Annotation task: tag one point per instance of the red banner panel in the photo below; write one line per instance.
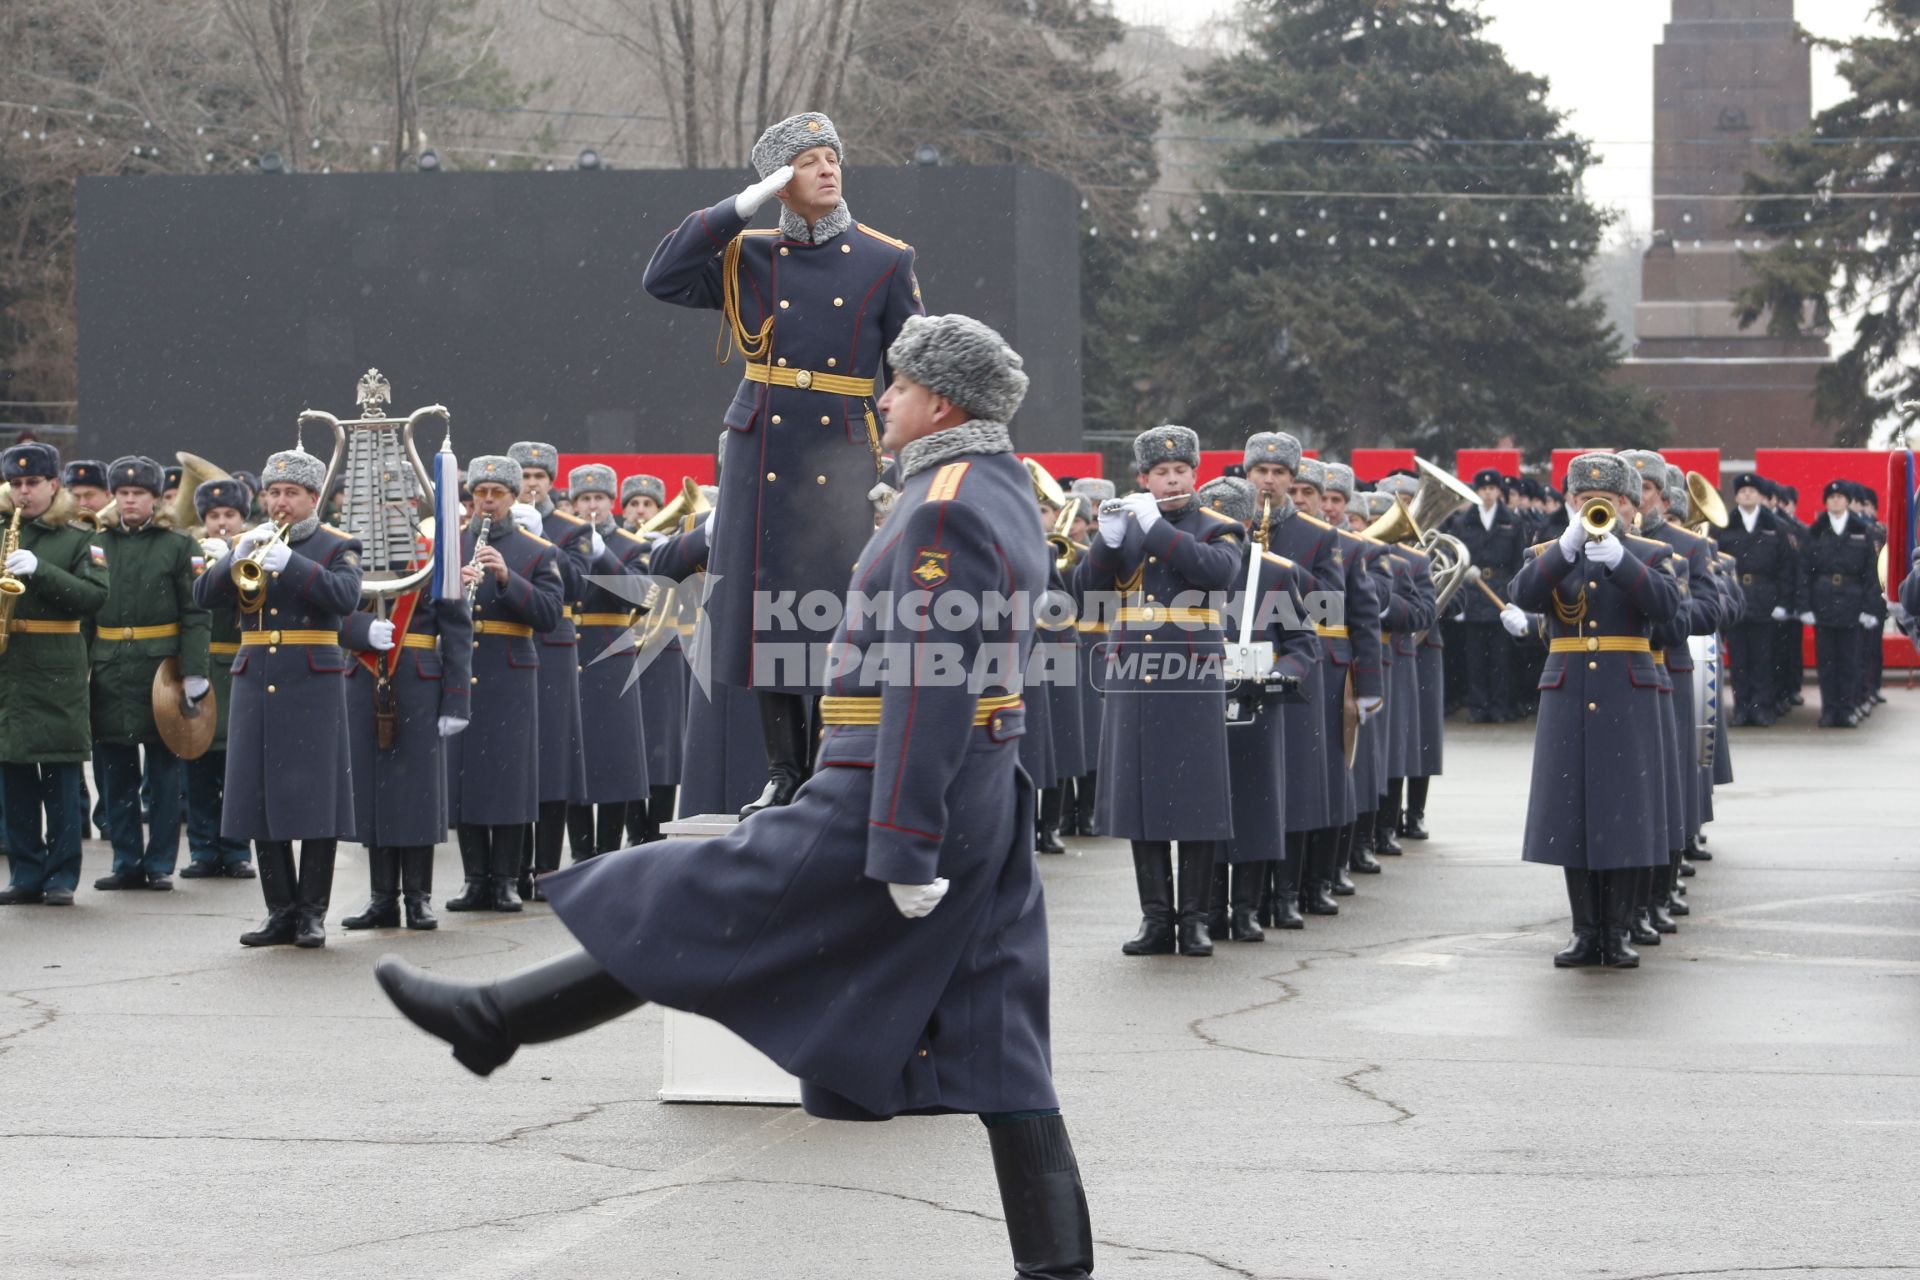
(1372, 464)
(1468, 461)
(1808, 470)
(1705, 461)
(670, 467)
(1081, 466)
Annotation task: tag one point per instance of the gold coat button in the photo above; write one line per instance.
(1593, 644)
(1594, 624)
(771, 476)
(1593, 586)
(819, 479)
(1593, 666)
(783, 251)
(1153, 559)
(782, 362)
(846, 248)
(776, 419)
(839, 302)
(825, 420)
(274, 612)
(1147, 679)
(784, 304)
(273, 637)
(474, 680)
(272, 689)
(1593, 706)
(832, 363)
(476, 644)
(804, 379)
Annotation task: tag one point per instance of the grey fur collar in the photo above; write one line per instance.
(544, 507)
(794, 227)
(1282, 510)
(1649, 521)
(971, 436)
(303, 530)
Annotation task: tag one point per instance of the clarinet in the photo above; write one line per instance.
(479, 545)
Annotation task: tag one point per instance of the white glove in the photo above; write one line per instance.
(1572, 539)
(654, 539)
(214, 548)
(1606, 550)
(1806, 619)
(196, 687)
(22, 563)
(1779, 613)
(748, 202)
(1868, 620)
(1143, 509)
(450, 725)
(916, 900)
(1514, 619)
(275, 557)
(1113, 527)
(252, 538)
(1369, 708)
(380, 634)
(599, 544)
(528, 518)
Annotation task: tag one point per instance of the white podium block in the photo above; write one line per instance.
(702, 1061)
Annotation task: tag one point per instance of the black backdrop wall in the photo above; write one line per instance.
(212, 310)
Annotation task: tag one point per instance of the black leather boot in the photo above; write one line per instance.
(416, 886)
(1249, 878)
(1639, 925)
(383, 903)
(783, 731)
(508, 859)
(1316, 897)
(1676, 892)
(316, 892)
(1360, 859)
(1042, 1198)
(582, 836)
(1413, 823)
(1696, 850)
(1196, 893)
(1217, 895)
(476, 861)
(1153, 877)
(1084, 820)
(1046, 838)
(278, 884)
(610, 827)
(1657, 914)
(661, 802)
(549, 837)
(1386, 822)
(1583, 898)
(486, 1022)
(1616, 920)
(1339, 884)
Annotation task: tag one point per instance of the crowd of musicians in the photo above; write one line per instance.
(529, 723)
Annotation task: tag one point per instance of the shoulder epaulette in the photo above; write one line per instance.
(338, 533)
(537, 538)
(946, 482)
(1540, 548)
(568, 515)
(767, 231)
(1282, 561)
(630, 536)
(1315, 521)
(1349, 534)
(1648, 542)
(878, 235)
(1220, 516)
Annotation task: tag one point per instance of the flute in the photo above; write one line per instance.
(1113, 506)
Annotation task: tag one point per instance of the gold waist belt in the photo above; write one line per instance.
(1660, 656)
(1322, 629)
(1091, 628)
(411, 640)
(865, 708)
(254, 639)
(221, 649)
(164, 631)
(1600, 644)
(48, 627)
(1169, 613)
(622, 620)
(837, 384)
(519, 630)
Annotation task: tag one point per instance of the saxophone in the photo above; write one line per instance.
(11, 588)
(480, 540)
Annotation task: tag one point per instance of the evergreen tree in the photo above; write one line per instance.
(1396, 259)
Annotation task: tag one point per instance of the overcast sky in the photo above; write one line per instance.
(1598, 56)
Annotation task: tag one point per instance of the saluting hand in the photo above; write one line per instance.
(748, 202)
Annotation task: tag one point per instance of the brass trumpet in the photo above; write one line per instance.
(249, 572)
(677, 516)
(1598, 519)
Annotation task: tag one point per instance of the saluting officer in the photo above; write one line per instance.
(1839, 581)
(663, 685)
(1163, 743)
(611, 712)
(789, 930)
(1765, 554)
(45, 731)
(423, 653)
(288, 764)
(563, 767)
(813, 307)
(1597, 803)
(493, 767)
(150, 615)
(222, 506)
(1494, 539)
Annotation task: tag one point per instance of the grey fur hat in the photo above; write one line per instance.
(533, 455)
(643, 486)
(711, 492)
(1230, 496)
(1273, 446)
(295, 466)
(1603, 473)
(1312, 471)
(136, 472)
(1375, 503)
(1403, 486)
(1646, 464)
(1094, 489)
(1339, 479)
(965, 361)
(493, 468)
(1679, 502)
(1166, 444)
(595, 477)
(783, 141)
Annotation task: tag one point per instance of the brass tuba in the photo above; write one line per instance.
(194, 472)
(1047, 490)
(678, 514)
(1417, 521)
(1704, 501)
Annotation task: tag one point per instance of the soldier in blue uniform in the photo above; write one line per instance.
(222, 506)
(1838, 589)
(288, 765)
(1754, 538)
(1163, 743)
(1494, 539)
(1789, 670)
(563, 769)
(611, 715)
(663, 686)
(1406, 812)
(1090, 633)
(882, 938)
(1597, 803)
(493, 767)
(813, 307)
(400, 770)
(1353, 648)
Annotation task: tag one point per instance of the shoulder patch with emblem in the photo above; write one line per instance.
(98, 554)
(930, 566)
(879, 235)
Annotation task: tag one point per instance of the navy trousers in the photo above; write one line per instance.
(52, 860)
(157, 850)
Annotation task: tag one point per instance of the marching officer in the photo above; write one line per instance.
(1407, 800)
(288, 764)
(1789, 670)
(612, 716)
(1597, 803)
(1494, 540)
(149, 616)
(663, 686)
(409, 688)
(493, 767)
(1358, 673)
(1090, 633)
(1163, 744)
(813, 307)
(563, 767)
(222, 506)
(45, 731)
(1764, 553)
(1838, 585)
